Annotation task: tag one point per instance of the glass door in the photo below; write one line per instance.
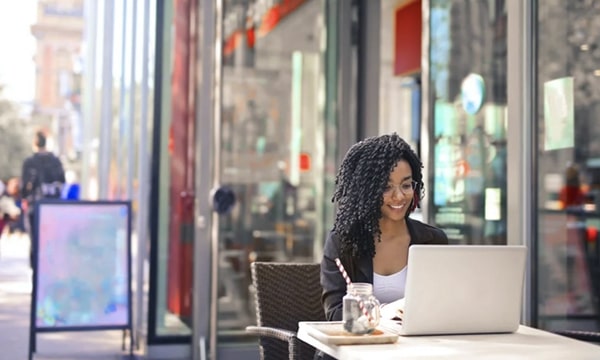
(272, 151)
(568, 166)
(467, 101)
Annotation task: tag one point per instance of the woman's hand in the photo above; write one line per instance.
(393, 310)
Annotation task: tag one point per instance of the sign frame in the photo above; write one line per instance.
(39, 252)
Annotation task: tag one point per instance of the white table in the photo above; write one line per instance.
(526, 343)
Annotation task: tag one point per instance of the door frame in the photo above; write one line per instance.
(208, 83)
(208, 120)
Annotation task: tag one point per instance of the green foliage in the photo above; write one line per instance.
(14, 144)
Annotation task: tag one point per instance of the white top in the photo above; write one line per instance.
(389, 288)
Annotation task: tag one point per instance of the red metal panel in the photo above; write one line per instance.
(181, 149)
(407, 54)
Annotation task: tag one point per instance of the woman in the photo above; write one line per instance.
(378, 185)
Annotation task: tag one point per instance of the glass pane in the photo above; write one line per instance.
(400, 34)
(176, 195)
(273, 145)
(399, 69)
(468, 101)
(568, 157)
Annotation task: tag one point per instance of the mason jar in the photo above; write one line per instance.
(360, 309)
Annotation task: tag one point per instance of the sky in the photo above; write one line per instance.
(17, 46)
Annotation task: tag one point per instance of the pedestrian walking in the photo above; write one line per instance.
(43, 177)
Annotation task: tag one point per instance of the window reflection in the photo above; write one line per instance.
(468, 82)
(569, 165)
(272, 145)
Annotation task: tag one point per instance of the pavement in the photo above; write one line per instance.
(15, 307)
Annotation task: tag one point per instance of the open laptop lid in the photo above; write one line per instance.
(463, 289)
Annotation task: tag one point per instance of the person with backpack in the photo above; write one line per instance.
(43, 177)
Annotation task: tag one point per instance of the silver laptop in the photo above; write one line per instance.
(463, 289)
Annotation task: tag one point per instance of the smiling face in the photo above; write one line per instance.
(398, 194)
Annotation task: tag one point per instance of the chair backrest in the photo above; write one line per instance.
(286, 293)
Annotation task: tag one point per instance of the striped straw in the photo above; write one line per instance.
(361, 305)
(343, 271)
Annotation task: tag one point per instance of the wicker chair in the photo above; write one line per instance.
(285, 293)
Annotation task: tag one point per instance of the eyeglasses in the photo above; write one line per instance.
(406, 188)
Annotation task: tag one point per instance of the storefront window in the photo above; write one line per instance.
(568, 158)
(171, 301)
(273, 145)
(400, 70)
(468, 103)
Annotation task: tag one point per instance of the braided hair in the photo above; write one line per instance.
(359, 187)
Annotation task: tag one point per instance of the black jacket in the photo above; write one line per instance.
(42, 176)
(361, 269)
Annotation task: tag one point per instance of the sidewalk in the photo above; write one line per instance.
(15, 302)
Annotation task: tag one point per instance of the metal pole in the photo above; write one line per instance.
(89, 94)
(106, 117)
(426, 115)
(217, 87)
(143, 176)
(520, 164)
(122, 117)
(132, 87)
(207, 147)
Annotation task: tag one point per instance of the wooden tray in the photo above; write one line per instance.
(332, 332)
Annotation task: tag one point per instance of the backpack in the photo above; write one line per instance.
(43, 177)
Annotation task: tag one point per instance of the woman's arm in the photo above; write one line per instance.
(334, 286)
(422, 233)
(440, 237)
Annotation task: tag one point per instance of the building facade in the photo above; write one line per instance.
(58, 31)
(256, 102)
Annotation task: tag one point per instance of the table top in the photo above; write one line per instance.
(525, 343)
